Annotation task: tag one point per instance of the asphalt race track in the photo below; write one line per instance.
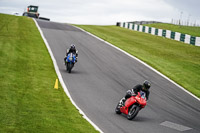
(101, 78)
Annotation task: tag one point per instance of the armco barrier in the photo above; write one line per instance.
(164, 33)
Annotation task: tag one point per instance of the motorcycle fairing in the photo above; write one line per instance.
(141, 101)
(71, 58)
(128, 103)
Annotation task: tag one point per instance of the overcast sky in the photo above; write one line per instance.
(108, 12)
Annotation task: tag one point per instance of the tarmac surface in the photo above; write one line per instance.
(101, 78)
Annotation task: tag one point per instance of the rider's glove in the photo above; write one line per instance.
(133, 94)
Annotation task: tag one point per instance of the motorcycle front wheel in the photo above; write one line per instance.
(69, 67)
(133, 111)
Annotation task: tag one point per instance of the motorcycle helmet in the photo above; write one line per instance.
(146, 85)
(72, 46)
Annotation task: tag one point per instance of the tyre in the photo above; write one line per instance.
(117, 109)
(66, 67)
(69, 70)
(70, 67)
(133, 111)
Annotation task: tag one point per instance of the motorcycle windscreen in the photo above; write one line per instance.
(142, 99)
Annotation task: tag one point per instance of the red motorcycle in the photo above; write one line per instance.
(132, 105)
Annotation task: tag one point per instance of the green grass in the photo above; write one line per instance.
(178, 61)
(28, 101)
(190, 30)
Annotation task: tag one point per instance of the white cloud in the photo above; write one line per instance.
(100, 11)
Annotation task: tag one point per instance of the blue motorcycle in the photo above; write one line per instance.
(70, 61)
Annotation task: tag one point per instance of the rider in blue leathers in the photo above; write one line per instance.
(73, 50)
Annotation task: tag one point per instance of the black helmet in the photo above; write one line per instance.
(146, 85)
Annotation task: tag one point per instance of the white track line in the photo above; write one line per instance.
(142, 63)
(175, 126)
(61, 79)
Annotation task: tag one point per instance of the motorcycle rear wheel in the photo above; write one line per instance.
(133, 111)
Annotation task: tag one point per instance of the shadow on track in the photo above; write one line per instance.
(137, 118)
(72, 72)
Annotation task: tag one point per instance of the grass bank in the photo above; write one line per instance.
(176, 60)
(28, 102)
(190, 30)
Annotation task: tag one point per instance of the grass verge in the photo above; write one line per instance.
(178, 61)
(190, 30)
(27, 76)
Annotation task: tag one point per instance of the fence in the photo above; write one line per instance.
(164, 33)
